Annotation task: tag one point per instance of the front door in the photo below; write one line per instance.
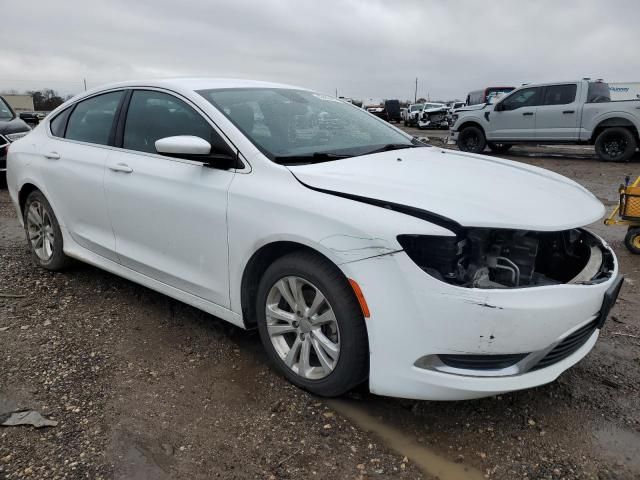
(515, 118)
(169, 214)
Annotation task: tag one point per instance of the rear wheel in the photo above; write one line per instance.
(499, 147)
(311, 325)
(43, 233)
(471, 139)
(615, 145)
(632, 240)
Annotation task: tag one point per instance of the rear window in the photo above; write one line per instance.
(598, 92)
(560, 94)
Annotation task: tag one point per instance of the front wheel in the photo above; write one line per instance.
(615, 145)
(499, 147)
(471, 139)
(632, 240)
(311, 325)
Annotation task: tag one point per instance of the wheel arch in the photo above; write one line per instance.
(614, 122)
(258, 264)
(24, 192)
(472, 123)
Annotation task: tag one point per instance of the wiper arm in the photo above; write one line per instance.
(393, 146)
(316, 157)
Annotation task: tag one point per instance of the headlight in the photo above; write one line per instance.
(12, 137)
(501, 258)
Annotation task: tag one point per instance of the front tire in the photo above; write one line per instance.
(311, 325)
(43, 233)
(632, 240)
(471, 139)
(615, 145)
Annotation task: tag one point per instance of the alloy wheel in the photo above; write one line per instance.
(302, 327)
(40, 231)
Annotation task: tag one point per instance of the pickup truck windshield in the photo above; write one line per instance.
(5, 111)
(298, 124)
(415, 108)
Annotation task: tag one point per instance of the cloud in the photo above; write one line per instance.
(362, 48)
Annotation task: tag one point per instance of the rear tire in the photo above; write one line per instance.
(632, 240)
(499, 147)
(43, 233)
(285, 324)
(471, 139)
(615, 144)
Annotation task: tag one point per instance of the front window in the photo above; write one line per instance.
(526, 97)
(5, 111)
(287, 124)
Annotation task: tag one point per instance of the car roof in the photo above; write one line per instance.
(195, 83)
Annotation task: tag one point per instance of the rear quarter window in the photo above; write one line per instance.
(59, 123)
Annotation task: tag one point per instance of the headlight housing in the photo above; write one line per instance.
(502, 258)
(12, 137)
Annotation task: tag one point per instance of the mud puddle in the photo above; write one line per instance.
(428, 461)
(622, 445)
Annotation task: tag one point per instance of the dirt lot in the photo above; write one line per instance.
(144, 387)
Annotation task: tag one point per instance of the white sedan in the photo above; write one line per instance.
(359, 253)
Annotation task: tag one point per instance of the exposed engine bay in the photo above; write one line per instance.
(499, 258)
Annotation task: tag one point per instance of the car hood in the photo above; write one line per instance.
(472, 190)
(13, 126)
(472, 108)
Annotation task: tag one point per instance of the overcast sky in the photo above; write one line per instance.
(363, 48)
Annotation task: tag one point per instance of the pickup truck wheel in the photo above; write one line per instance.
(615, 145)
(499, 147)
(632, 240)
(472, 140)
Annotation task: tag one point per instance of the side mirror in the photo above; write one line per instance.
(185, 145)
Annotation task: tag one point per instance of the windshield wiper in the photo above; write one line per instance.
(393, 146)
(316, 157)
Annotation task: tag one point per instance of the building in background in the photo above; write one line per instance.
(19, 103)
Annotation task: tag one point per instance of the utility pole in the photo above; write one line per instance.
(85, 84)
(415, 95)
(336, 93)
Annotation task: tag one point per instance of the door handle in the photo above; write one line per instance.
(52, 156)
(121, 167)
(527, 114)
(569, 111)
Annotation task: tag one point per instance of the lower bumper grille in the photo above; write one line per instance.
(481, 362)
(567, 346)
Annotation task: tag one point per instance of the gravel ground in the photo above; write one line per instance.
(144, 387)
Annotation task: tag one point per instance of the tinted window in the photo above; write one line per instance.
(560, 94)
(59, 123)
(91, 119)
(598, 92)
(526, 97)
(154, 115)
(5, 111)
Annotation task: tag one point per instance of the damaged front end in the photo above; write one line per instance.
(500, 258)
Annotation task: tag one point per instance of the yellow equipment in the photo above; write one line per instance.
(628, 213)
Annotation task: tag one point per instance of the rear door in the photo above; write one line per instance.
(558, 115)
(515, 118)
(169, 214)
(73, 162)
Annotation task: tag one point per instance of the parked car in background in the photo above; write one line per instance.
(30, 118)
(433, 115)
(376, 107)
(413, 114)
(348, 244)
(392, 110)
(11, 128)
(482, 96)
(569, 112)
(403, 114)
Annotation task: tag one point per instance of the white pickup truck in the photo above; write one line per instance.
(570, 112)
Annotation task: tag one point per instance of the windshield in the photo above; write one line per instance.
(427, 106)
(5, 111)
(297, 123)
(415, 108)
